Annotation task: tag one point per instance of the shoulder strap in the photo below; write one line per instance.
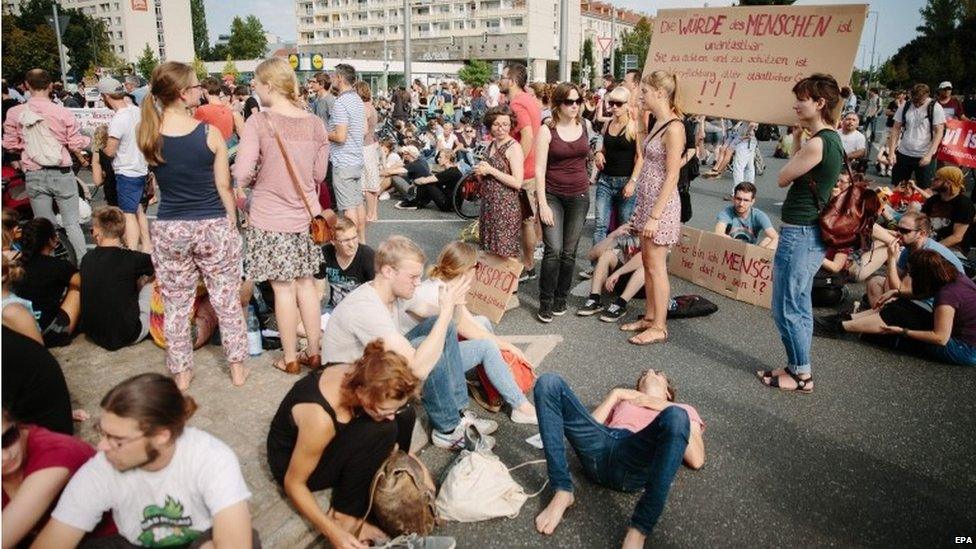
(847, 166)
(532, 462)
(288, 165)
(661, 129)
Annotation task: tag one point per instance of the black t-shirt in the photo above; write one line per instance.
(44, 284)
(110, 295)
(417, 169)
(448, 179)
(34, 390)
(249, 104)
(342, 281)
(893, 107)
(946, 214)
(969, 106)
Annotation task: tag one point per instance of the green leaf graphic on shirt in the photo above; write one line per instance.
(166, 526)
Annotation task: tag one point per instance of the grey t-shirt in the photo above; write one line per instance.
(322, 106)
(360, 318)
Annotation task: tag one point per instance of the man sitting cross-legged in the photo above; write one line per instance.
(617, 259)
(634, 440)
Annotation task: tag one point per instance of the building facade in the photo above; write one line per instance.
(603, 20)
(165, 25)
(441, 30)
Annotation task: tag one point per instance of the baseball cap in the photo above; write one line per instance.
(110, 85)
(945, 85)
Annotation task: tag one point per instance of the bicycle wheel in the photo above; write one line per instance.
(467, 197)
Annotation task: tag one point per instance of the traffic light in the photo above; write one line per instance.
(607, 69)
(67, 60)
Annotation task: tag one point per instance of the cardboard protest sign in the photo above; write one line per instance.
(495, 280)
(728, 267)
(90, 119)
(959, 143)
(741, 62)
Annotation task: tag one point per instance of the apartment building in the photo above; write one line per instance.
(441, 30)
(603, 20)
(131, 24)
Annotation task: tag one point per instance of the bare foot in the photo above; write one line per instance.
(550, 517)
(238, 374)
(79, 415)
(183, 380)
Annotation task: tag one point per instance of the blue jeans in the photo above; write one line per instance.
(445, 391)
(616, 458)
(798, 257)
(561, 241)
(955, 351)
(610, 194)
(486, 353)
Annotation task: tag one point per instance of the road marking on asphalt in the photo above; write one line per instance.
(536, 348)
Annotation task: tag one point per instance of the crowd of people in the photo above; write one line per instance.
(240, 173)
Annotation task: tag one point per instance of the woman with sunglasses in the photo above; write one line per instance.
(562, 191)
(619, 162)
(334, 429)
(636, 439)
(37, 465)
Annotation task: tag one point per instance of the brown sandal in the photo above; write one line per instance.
(635, 340)
(310, 361)
(293, 367)
(638, 325)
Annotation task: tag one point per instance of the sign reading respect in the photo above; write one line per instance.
(741, 62)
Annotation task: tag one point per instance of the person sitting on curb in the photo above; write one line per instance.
(115, 288)
(480, 346)
(37, 465)
(166, 484)
(373, 311)
(618, 260)
(743, 221)
(634, 440)
(334, 429)
(347, 263)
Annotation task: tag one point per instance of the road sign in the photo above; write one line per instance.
(605, 43)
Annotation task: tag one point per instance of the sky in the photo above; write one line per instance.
(897, 19)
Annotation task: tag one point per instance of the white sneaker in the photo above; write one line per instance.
(455, 440)
(519, 416)
(485, 426)
(384, 196)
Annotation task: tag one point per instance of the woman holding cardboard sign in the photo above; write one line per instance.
(816, 164)
(657, 215)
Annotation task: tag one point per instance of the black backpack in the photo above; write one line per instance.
(929, 112)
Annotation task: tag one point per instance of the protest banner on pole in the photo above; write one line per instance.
(90, 119)
(729, 267)
(495, 280)
(959, 143)
(741, 62)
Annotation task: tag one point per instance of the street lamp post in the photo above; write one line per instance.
(564, 41)
(874, 42)
(407, 76)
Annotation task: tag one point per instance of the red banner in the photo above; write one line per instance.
(959, 143)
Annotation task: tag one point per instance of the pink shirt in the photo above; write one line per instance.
(275, 206)
(63, 125)
(634, 418)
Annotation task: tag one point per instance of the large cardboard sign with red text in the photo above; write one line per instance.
(741, 62)
(959, 143)
(732, 268)
(495, 280)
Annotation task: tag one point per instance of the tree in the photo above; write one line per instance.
(85, 36)
(940, 17)
(634, 42)
(475, 73)
(230, 68)
(217, 52)
(247, 38)
(147, 62)
(23, 51)
(201, 42)
(932, 58)
(200, 68)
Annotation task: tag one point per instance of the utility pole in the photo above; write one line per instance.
(564, 41)
(874, 43)
(386, 59)
(613, 36)
(407, 76)
(57, 32)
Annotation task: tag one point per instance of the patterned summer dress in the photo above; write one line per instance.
(500, 225)
(650, 182)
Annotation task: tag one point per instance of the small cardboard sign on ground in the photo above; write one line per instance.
(495, 281)
(741, 62)
(732, 268)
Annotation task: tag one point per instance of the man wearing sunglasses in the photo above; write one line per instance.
(166, 484)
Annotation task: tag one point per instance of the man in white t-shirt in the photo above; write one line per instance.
(128, 162)
(854, 142)
(920, 124)
(166, 484)
(374, 310)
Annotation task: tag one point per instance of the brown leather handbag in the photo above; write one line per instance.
(848, 217)
(320, 228)
(401, 499)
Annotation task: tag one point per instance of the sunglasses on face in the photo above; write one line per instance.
(615, 103)
(905, 230)
(571, 102)
(10, 437)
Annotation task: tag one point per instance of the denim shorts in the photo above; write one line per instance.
(130, 191)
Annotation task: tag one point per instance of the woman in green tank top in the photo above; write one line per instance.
(801, 251)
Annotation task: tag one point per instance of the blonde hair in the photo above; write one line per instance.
(278, 74)
(343, 224)
(100, 138)
(455, 259)
(396, 249)
(664, 80)
(621, 93)
(166, 85)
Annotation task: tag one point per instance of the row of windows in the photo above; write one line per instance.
(490, 24)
